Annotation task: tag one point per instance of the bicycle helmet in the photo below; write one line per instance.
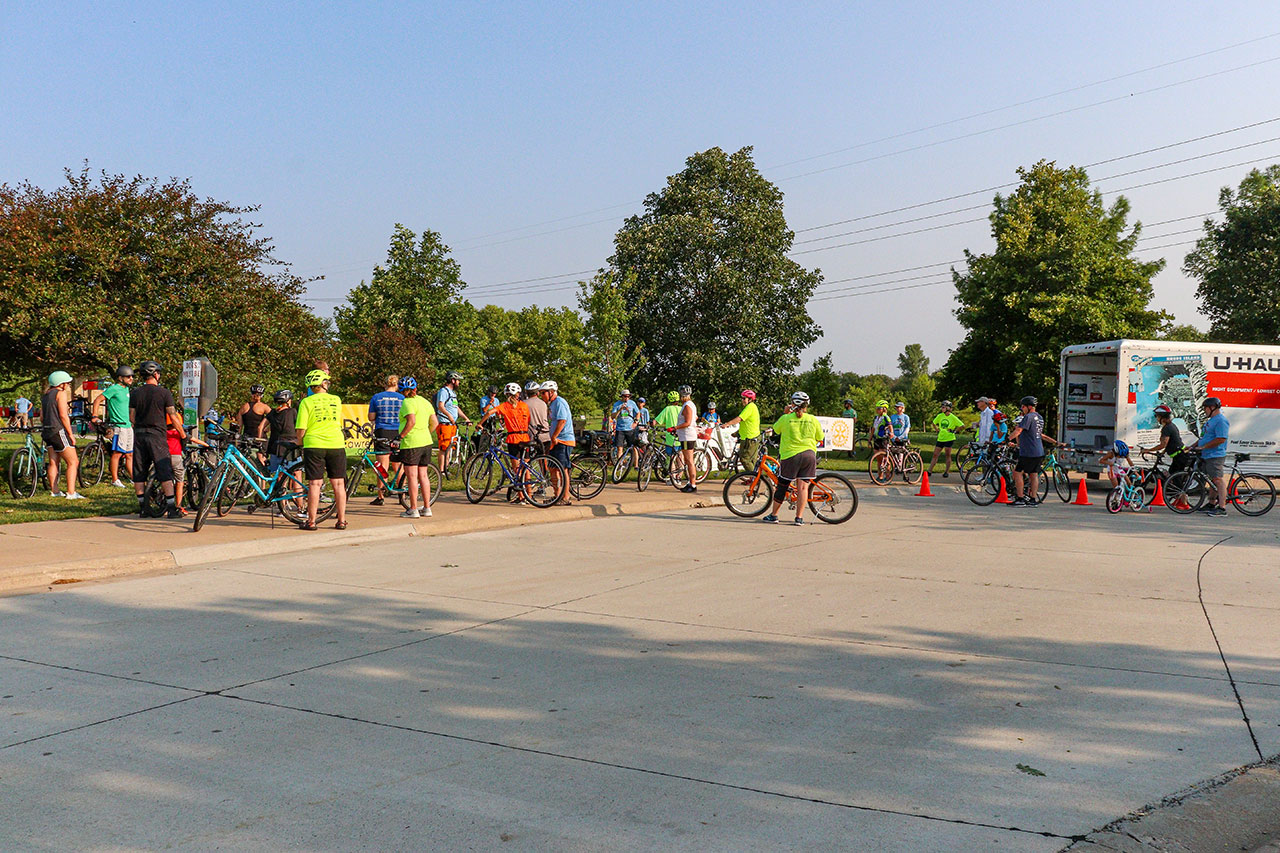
(284, 395)
(149, 368)
(550, 385)
(532, 385)
(749, 394)
(452, 375)
(848, 402)
(998, 417)
(710, 406)
(493, 389)
(641, 400)
(257, 388)
(123, 371)
(946, 404)
(882, 404)
(1028, 401)
(1162, 410)
(512, 388)
(673, 397)
(685, 391)
(316, 377)
(1120, 448)
(799, 398)
(1211, 403)
(899, 405)
(406, 383)
(59, 377)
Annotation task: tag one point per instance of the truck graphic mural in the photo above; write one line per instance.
(1180, 382)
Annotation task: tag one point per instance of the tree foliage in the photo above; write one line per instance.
(1062, 273)
(1237, 262)
(533, 344)
(613, 356)
(113, 270)
(824, 387)
(714, 298)
(912, 362)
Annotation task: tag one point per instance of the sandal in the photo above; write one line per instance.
(341, 525)
(307, 525)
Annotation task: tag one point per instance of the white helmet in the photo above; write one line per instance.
(799, 398)
(549, 385)
(512, 388)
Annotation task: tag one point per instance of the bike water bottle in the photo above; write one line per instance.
(382, 471)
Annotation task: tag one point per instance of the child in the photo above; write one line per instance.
(175, 459)
(1117, 461)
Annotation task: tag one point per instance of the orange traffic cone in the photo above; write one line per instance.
(1082, 494)
(1003, 497)
(924, 487)
(1158, 500)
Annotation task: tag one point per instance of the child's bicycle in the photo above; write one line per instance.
(1130, 493)
(749, 494)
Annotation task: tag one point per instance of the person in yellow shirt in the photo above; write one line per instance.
(947, 425)
(800, 435)
(418, 425)
(319, 431)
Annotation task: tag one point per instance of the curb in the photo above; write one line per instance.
(48, 575)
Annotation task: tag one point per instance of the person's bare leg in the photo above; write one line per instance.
(313, 500)
(947, 469)
(802, 498)
(934, 460)
(340, 496)
(411, 477)
(51, 471)
(115, 466)
(424, 482)
(1035, 485)
(73, 468)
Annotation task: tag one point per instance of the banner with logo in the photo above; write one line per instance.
(355, 421)
(837, 432)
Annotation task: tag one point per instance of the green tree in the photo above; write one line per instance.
(716, 302)
(1183, 332)
(1062, 273)
(418, 291)
(613, 356)
(913, 362)
(112, 270)
(534, 343)
(1237, 262)
(823, 386)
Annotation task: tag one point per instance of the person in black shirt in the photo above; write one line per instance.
(284, 435)
(1171, 443)
(151, 410)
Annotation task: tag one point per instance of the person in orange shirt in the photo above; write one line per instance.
(515, 417)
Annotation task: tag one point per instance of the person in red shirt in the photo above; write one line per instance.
(174, 439)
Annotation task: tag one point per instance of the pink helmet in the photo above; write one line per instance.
(749, 394)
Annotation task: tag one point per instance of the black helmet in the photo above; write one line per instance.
(848, 402)
(1028, 401)
(123, 371)
(257, 388)
(452, 375)
(1211, 403)
(493, 389)
(283, 396)
(149, 369)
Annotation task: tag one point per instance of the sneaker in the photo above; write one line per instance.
(378, 501)
(770, 519)
(1031, 502)
(174, 512)
(1217, 512)
(1017, 502)
(946, 474)
(410, 513)
(690, 490)
(799, 522)
(426, 513)
(75, 496)
(119, 485)
(1207, 508)
(58, 494)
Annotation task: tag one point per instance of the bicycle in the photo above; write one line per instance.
(721, 459)
(587, 475)
(27, 466)
(400, 486)
(534, 479)
(1251, 493)
(655, 461)
(1051, 470)
(238, 475)
(93, 458)
(897, 457)
(749, 494)
(1129, 493)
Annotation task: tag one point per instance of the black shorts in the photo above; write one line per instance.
(802, 466)
(150, 447)
(381, 435)
(626, 438)
(949, 442)
(1029, 464)
(55, 438)
(517, 448)
(416, 457)
(320, 461)
(688, 445)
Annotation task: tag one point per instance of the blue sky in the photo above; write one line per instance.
(525, 132)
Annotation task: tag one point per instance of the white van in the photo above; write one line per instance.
(1107, 390)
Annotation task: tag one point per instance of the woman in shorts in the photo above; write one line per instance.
(800, 435)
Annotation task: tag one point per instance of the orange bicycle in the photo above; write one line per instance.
(748, 494)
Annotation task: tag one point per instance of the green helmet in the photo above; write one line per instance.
(882, 404)
(673, 397)
(315, 377)
(58, 377)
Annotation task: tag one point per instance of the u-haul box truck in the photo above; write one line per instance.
(1108, 390)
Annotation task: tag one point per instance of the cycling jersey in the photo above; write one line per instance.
(420, 435)
(321, 416)
(515, 417)
(881, 426)
(384, 409)
(666, 419)
(798, 433)
(749, 421)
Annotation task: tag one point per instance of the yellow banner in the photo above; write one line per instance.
(355, 420)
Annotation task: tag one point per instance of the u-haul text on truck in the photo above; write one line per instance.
(1109, 390)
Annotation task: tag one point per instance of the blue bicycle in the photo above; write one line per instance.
(538, 480)
(237, 476)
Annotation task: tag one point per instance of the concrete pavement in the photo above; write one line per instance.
(930, 676)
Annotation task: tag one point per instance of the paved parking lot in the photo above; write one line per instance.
(930, 676)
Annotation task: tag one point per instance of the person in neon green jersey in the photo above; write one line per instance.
(946, 424)
(748, 421)
(319, 430)
(800, 434)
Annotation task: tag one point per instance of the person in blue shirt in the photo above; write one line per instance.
(447, 413)
(23, 407)
(711, 416)
(384, 414)
(901, 422)
(560, 430)
(1212, 445)
(625, 415)
(999, 428)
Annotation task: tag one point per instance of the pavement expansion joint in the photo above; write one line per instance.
(84, 671)
(654, 772)
(112, 719)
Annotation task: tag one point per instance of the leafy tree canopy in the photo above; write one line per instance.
(912, 362)
(613, 356)
(1062, 273)
(1237, 262)
(715, 299)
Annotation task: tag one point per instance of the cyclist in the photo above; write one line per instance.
(946, 424)
(1213, 453)
(56, 432)
(23, 408)
(489, 402)
(852, 414)
(687, 436)
(901, 422)
(116, 416)
(748, 421)
(283, 433)
(561, 438)
(711, 417)
(447, 413)
(515, 419)
(800, 434)
(384, 412)
(1031, 438)
(881, 426)
(174, 440)
(537, 410)
(625, 415)
(418, 424)
(252, 416)
(151, 410)
(1171, 443)
(324, 451)
(1117, 461)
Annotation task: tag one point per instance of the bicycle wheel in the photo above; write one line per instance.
(540, 478)
(477, 478)
(209, 498)
(677, 475)
(197, 482)
(833, 498)
(1115, 500)
(621, 468)
(644, 474)
(434, 477)
(1062, 485)
(1252, 494)
(746, 495)
(880, 468)
(355, 472)
(1042, 491)
(23, 476)
(982, 487)
(587, 477)
(91, 464)
(702, 463)
(293, 491)
(229, 494)
(912, 467)
(1185, 491)
(153, 496)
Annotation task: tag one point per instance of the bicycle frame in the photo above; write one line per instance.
(252, 475)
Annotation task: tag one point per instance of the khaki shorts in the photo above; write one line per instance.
(1213, 468)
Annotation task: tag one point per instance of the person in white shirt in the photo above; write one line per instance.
(986, 419)
(687, 436)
